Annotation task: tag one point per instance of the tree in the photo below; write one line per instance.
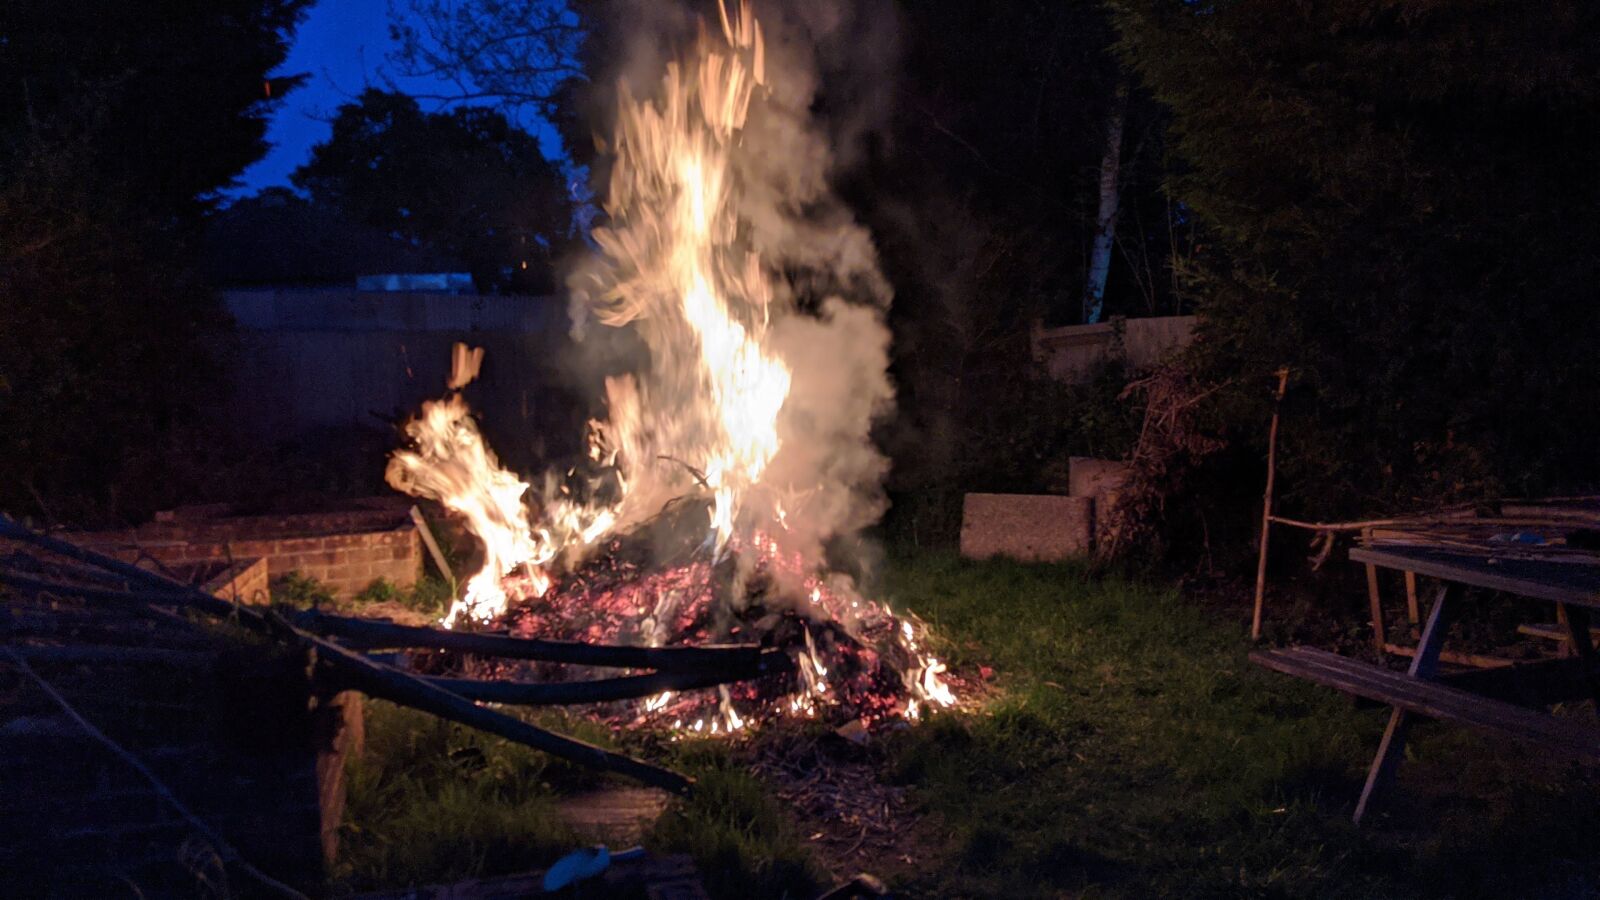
(1105, 223)
(1402, 194)
(171, 105)
(517, 52)
(466, 182)
(116, 128)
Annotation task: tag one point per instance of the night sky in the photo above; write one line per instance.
(343, 47)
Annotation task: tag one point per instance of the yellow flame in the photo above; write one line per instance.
(678, 272)
(674, 264)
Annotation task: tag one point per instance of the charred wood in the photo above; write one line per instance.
(369, 634)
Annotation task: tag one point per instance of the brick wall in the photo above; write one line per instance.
(346, 550)
(243, 580)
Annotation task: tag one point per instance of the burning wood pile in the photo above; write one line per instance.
(735, 448)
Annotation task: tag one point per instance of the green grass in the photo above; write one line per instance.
(1130, 750)
(1136, 752)
(430, 595)
(434, 802)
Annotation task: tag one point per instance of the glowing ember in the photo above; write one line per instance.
(692, 439)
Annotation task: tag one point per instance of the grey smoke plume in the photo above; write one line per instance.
(826, 315)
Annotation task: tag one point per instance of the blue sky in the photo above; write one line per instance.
(343, 47)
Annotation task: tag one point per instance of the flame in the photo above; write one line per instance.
(702, 415)
(678, 272)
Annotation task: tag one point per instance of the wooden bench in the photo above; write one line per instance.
(1434, 699)
(1487, 700)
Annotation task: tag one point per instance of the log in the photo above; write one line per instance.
(369, 634)
(601, 690)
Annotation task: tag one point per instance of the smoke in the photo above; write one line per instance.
(801, 273)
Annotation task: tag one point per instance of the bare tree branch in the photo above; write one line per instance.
(516, 52)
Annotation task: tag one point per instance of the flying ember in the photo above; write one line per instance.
(729, 456)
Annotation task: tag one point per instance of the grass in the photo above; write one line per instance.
(1131, 751)
(430, 801)
(430, 596)
(1136, 752)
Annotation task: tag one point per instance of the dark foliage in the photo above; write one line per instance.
(178, 92)
(117, 125)
(982, 192)
(466, 183)
(1400, 194)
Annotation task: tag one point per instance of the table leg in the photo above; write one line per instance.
(1581, 641)
(1392, 748)
(1378, 636)
(1413, 615)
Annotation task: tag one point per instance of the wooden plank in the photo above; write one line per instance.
(1535, 684)
(604, 689)
(104, 656)
(1550, 631)
(1434, 700)
(1413, 614)
(348, 669)
(1558, 582)
(1454, 657)
(370, 633)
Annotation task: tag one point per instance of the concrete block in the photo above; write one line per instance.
(1030, 527)
(1090, 477)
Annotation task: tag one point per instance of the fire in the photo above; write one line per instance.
(702, 418)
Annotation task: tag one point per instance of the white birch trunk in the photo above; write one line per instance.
(1094, 294)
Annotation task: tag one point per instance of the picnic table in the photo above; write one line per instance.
(1510, 700)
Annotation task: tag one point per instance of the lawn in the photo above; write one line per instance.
(1128, 750)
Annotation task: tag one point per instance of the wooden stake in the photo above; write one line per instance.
(1266, 504)
(433, 548)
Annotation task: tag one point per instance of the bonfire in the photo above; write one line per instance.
(729, 458)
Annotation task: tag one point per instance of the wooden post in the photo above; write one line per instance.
(1412, 612)
(1582, 643)
(433, 548)
(1375, 601)
(1266, 504)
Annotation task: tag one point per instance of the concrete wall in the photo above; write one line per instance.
(309, 362)
(1073, 353)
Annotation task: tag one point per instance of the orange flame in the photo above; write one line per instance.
(677, 268)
